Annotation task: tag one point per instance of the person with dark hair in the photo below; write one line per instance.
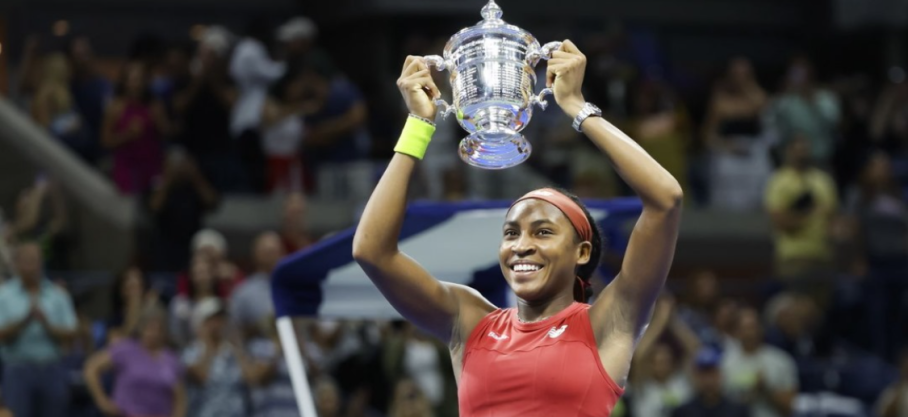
(710, 400)
(131, 297)
(553, 354)
(133, 129)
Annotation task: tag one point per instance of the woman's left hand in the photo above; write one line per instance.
(564, 75)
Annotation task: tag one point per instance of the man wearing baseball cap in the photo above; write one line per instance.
(709, 400)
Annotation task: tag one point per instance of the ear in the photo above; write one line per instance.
(584, 251)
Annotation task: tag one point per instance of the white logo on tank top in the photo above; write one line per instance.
(497, 336)
(557, 332)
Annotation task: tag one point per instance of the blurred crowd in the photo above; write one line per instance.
(267, 111)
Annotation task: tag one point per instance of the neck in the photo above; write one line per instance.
(200, 294)
(532, 311)
(31, 285)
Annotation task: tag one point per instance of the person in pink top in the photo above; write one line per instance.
(554, 354)
(133, 128)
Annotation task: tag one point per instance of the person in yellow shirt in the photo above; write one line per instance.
(802, 202)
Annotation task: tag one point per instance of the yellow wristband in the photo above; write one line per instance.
(415, 138)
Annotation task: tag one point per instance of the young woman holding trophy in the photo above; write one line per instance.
(554, 354)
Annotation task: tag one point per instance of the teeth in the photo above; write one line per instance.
(525, 267)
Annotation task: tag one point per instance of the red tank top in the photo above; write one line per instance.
(548, 368)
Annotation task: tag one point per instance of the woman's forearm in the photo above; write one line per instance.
(378, 230)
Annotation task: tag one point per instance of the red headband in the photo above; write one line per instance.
(567, 206)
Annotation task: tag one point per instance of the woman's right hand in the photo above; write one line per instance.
(418, 88)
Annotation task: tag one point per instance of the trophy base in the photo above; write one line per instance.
(495, 149)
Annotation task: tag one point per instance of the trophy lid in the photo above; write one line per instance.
(491, 11)
(492, 24)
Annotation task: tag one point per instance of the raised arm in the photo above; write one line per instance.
(431, 305)
(620, 315)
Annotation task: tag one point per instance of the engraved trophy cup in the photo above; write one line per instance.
(492, 77)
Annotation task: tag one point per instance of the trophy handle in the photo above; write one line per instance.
(540, 100)
(444, 108)
(440, 64)
(436, 61)
(545, 52)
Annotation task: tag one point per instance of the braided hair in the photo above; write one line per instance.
(582, 293)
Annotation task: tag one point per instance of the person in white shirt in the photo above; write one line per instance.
(254, 71)
(757, 374)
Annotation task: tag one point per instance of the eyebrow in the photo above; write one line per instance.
(535, 223)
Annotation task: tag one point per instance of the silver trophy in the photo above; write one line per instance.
(492, 78)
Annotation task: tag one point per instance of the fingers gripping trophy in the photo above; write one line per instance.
(492, 76)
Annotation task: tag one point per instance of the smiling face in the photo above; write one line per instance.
(540, 251)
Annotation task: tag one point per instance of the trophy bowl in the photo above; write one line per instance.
(492, 74)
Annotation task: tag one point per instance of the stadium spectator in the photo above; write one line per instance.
(178, 204)
(202, 287)
(267, 375)
(738, 144)
(879, 217)
(41, 216)
(337, 141)
(251, 303)
(253, 71)
(888, 128)
(709, 400)
(700, 304)
(211, 245)
(148, 376)
(757, 374)
(91, 91)
(37, 319)
(131, 298)
(408, 354)
(202, 106)
(659, 379)
(53, 108)
(294, 231)
(297, 37)
(283, 133)
(213, 365)
(792, 324)
(134, 127)
(805, 110)
(802, 201)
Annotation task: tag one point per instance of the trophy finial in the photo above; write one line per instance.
(491, 11)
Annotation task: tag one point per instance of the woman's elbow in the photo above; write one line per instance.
(670, 197)
(363, 251)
